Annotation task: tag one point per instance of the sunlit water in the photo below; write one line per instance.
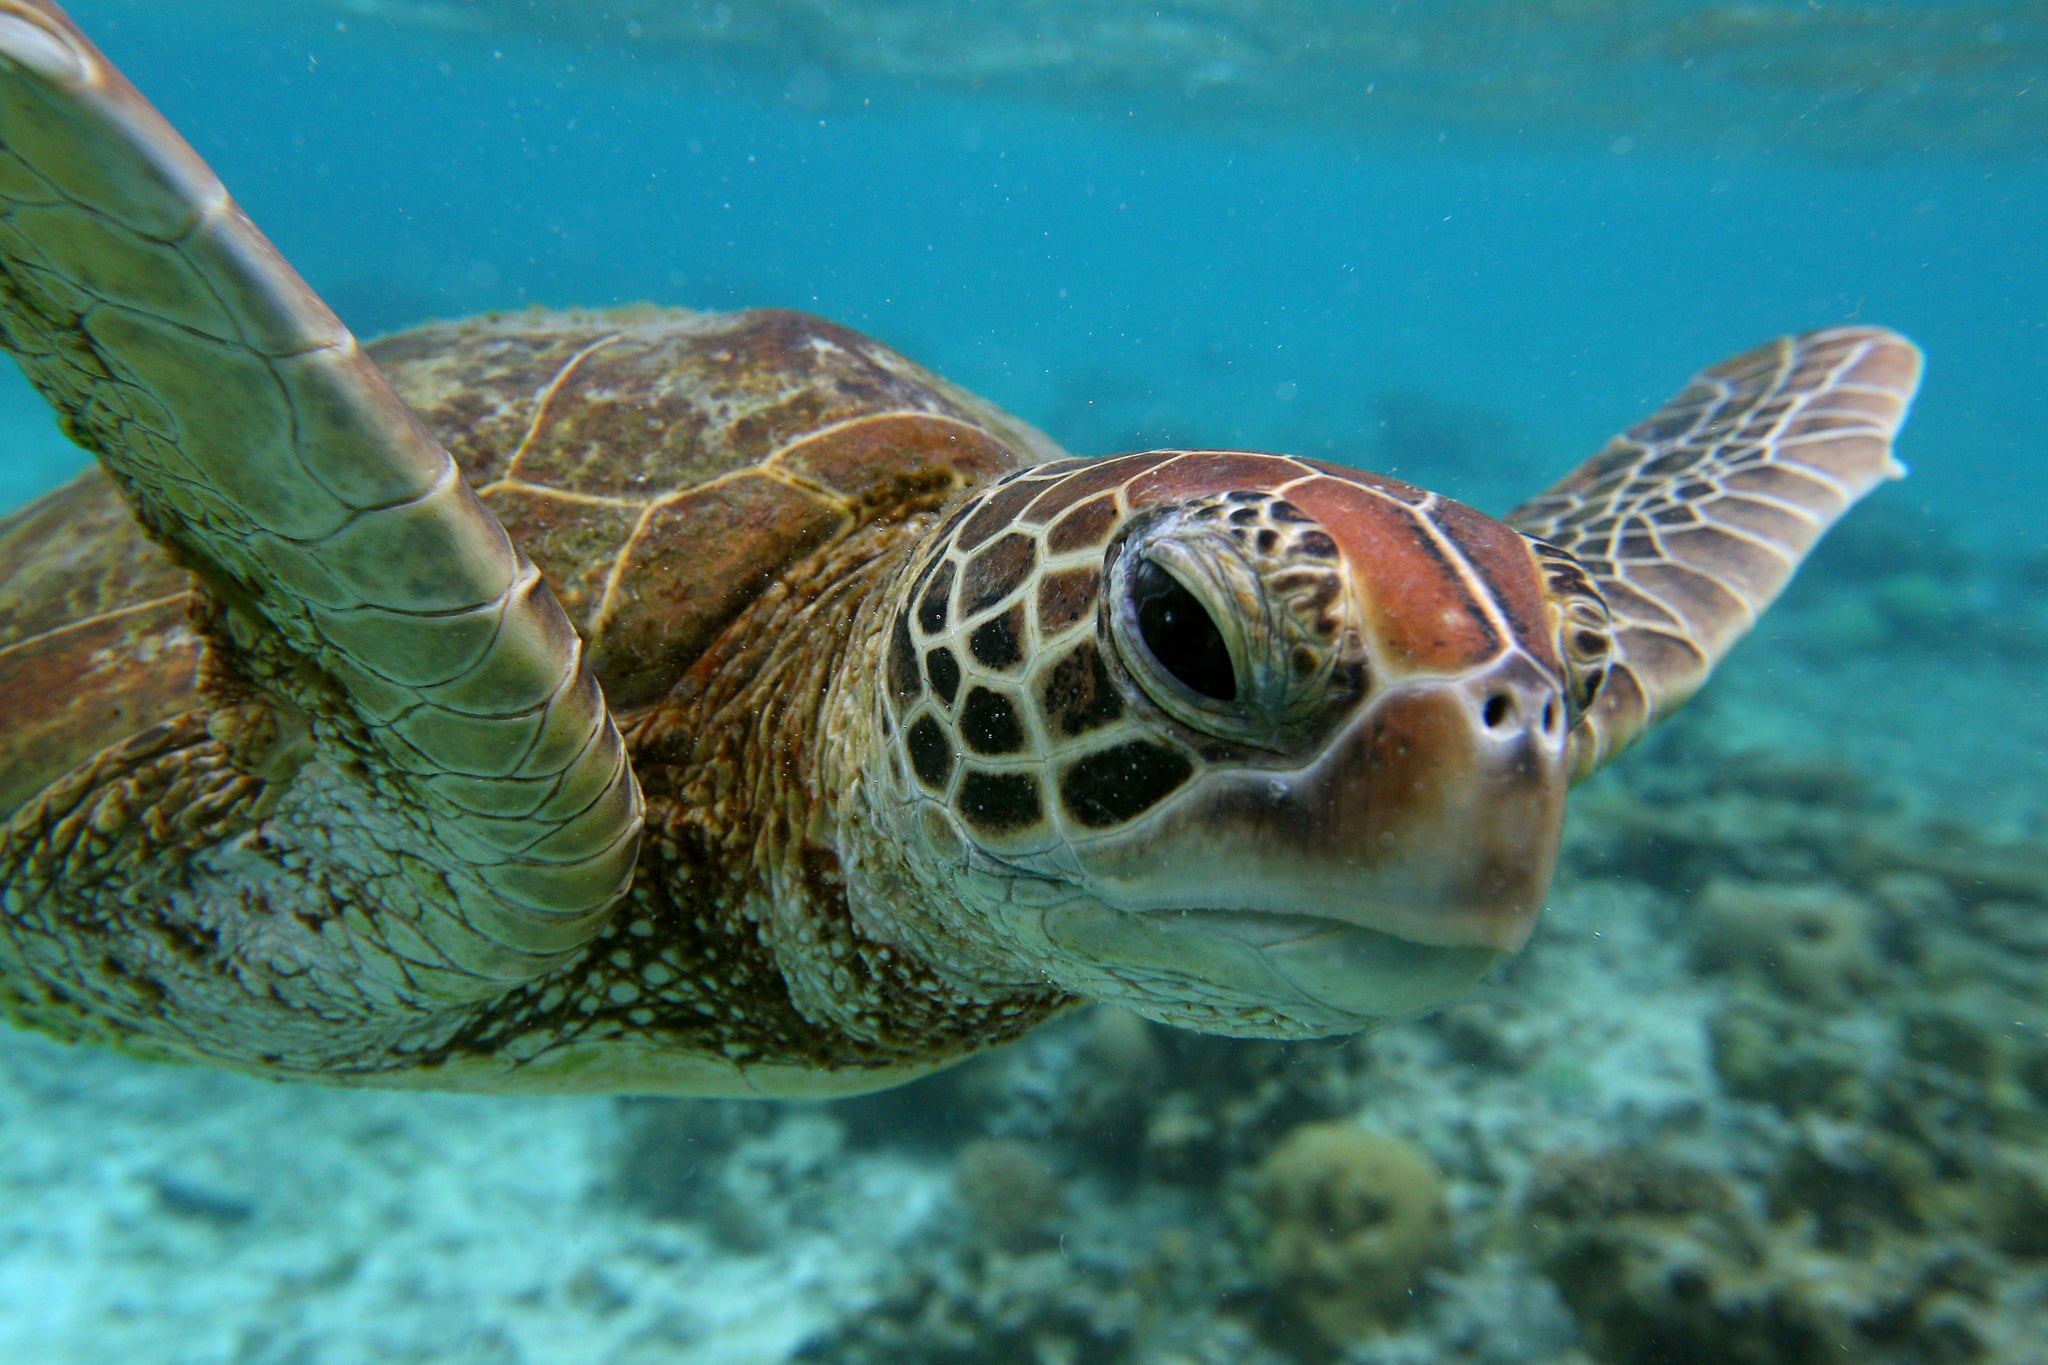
(1117, 284)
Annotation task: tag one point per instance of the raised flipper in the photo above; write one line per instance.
(1692, 522)
(252, 436)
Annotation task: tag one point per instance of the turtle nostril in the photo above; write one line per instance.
(1499, 708)
(1550, 716)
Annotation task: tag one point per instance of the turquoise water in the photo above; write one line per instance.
(1117, 282)
(1473, 304)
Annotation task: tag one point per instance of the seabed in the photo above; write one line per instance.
(1771, 1084)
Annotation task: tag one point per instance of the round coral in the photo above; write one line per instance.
(1350, 1219)
(1815, 941)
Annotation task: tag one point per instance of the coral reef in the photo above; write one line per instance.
(1346, 1221)
(1882, 1032)
(1664, 1267)
(1003, 1311)
(1011, 1191)
(1813, 940)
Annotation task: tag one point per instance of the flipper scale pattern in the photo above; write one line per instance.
(250, 431)
(1692, 521)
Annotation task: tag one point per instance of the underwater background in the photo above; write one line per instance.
(1771, 1083)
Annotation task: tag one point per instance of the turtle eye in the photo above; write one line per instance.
(1227, 634)
(1181, 636)
(1584, 628)
(1586, 643)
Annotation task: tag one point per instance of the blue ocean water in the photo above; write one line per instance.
(1116, 281)
(1472, 308)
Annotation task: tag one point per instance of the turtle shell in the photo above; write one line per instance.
(662, 468)
(94, 644)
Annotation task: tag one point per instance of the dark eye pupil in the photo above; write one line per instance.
(1180, 634)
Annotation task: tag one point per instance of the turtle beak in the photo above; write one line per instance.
(1447, 807)
(1433, 817)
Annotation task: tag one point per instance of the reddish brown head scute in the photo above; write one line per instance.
(1446, 588)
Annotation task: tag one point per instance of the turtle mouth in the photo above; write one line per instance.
(1338, 964)
(1270, 974)
(1417, 822)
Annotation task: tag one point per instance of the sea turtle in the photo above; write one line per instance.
(674, 702)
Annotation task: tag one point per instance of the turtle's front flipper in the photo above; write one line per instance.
(1692, 522)
(252, 435)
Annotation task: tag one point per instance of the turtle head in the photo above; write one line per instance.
(1243, 742)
